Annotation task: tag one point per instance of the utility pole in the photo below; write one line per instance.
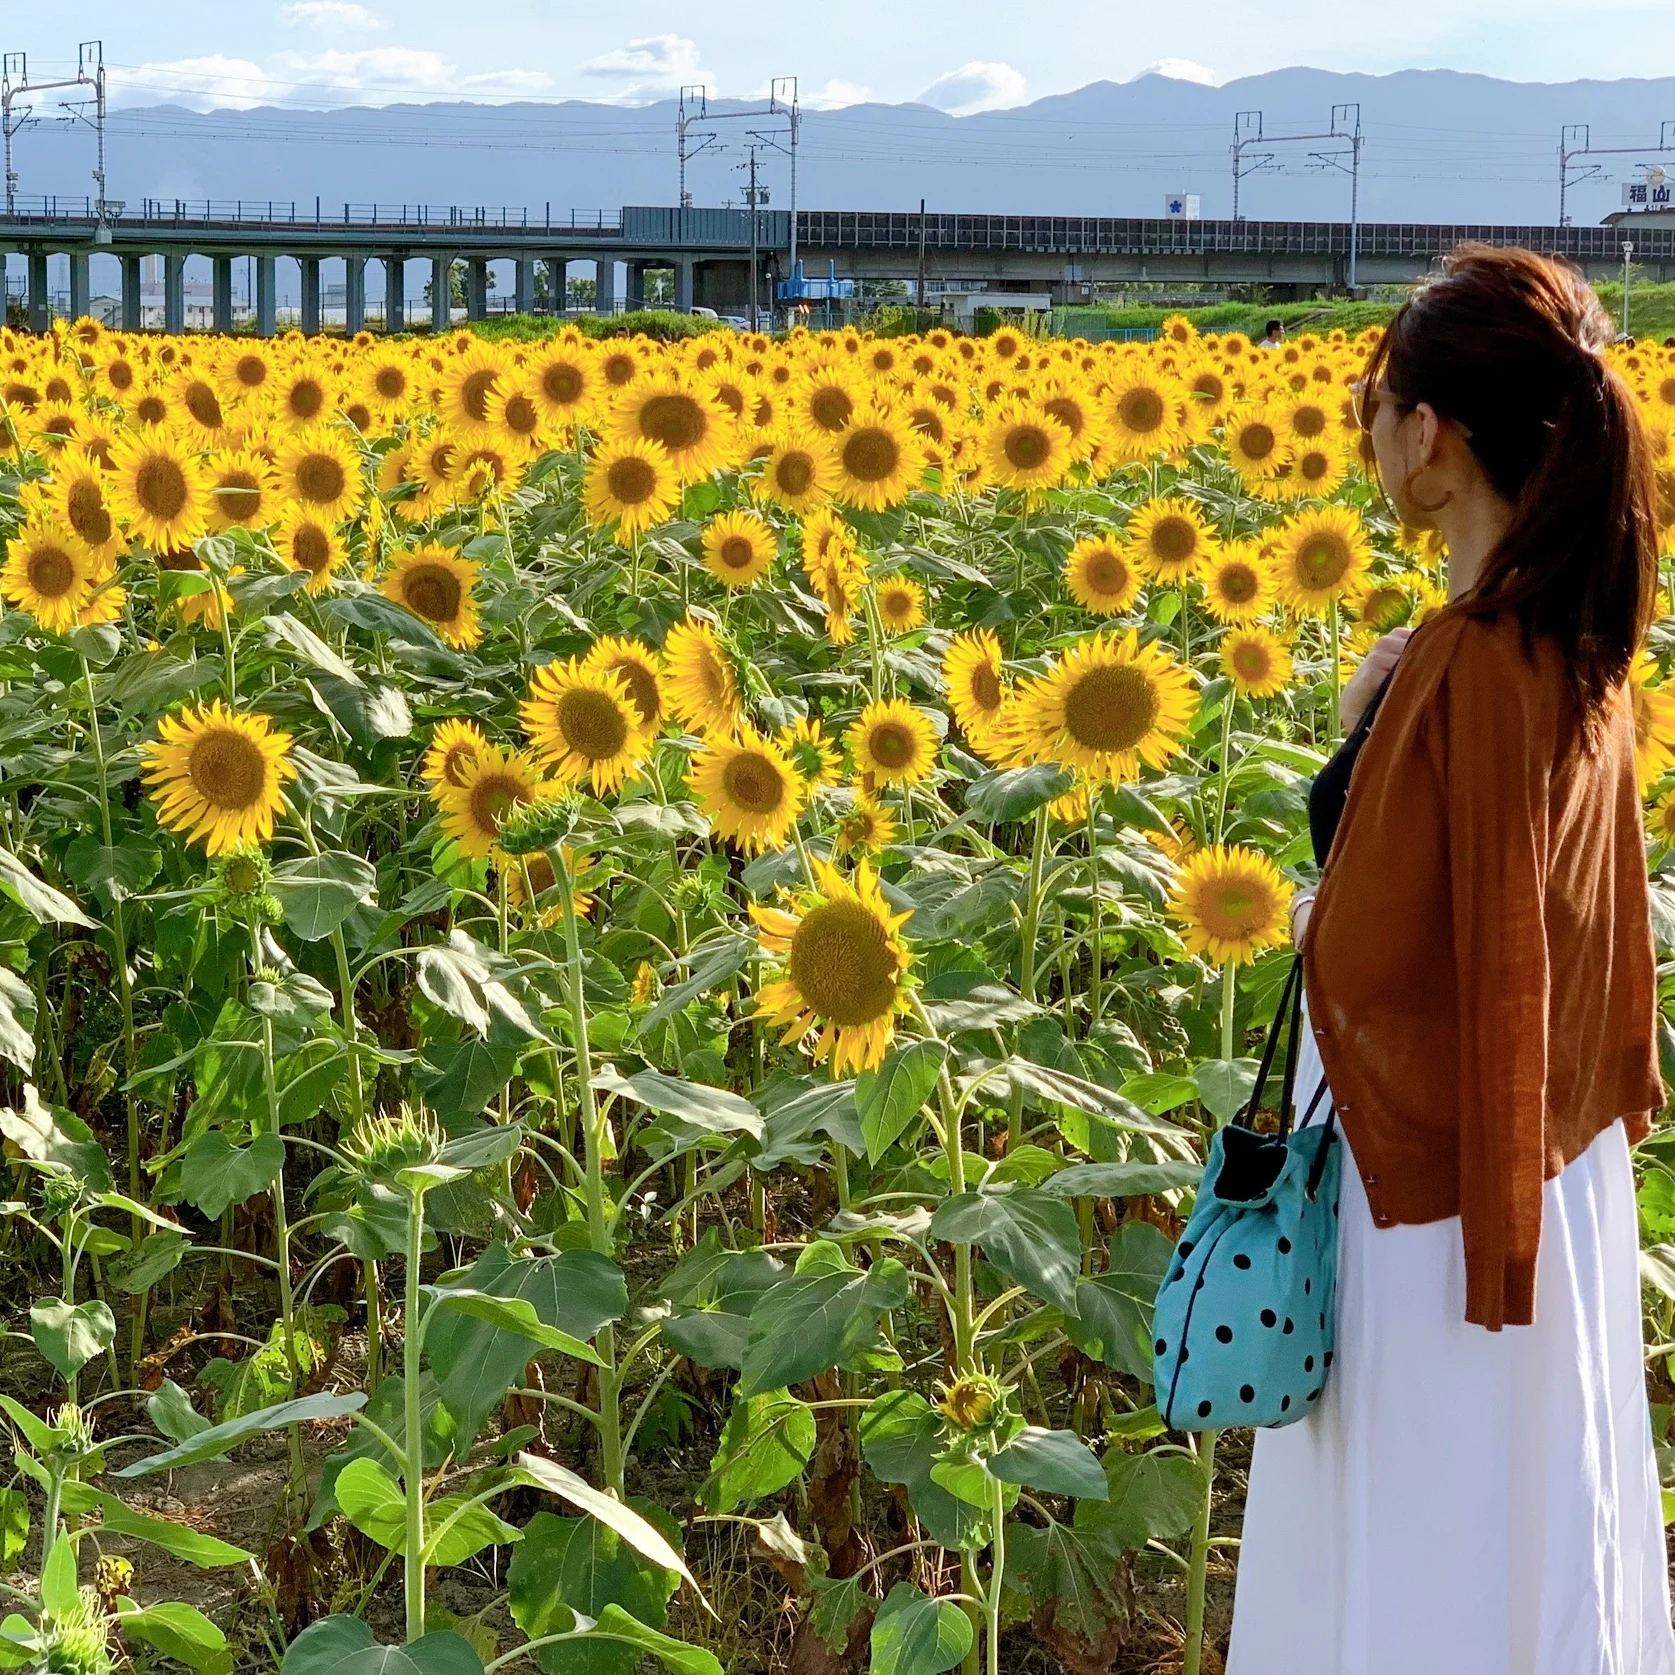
(15, 84)
(1247, 131)
(1628, 254)
(1344, 124)
(1575, 140)
(753, 196)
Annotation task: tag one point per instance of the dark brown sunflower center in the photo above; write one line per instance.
(1141, 411)
(984, 687)
(1309, 422)
(21, 395)
(892, 745)
(1666, 392)
(1238, 584)
(251, 371)
(239, 495)
(520, 416)
(227, 770)
(493, 797)
(1067, 412)
(1252, 661)
(592, 724)
(1028, 447)
(842, 965)
(459, 756)
(52, 572)
(320, 478)
(1322, 560)
(896, 604)
(632, 481)
(390, 382)
(305, 398)
(312, 549)
(831, 407)
(119, 375)
(754, 784)
(1314, 466)
(618, 369)
(928, 420)
(160, 488)
(1257, 441)
(204, 405)
(794, 474)
(675, 420)
(871, 455)
(474, 393)
(86, 512)
(1209, 385)
(736, 553)
(1174, 539)
(432, 591)
(1110, 708)
(1106, 573)
(642, 687)
(151, 410)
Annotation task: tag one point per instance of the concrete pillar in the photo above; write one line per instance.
(441, 293)
(526, 285)
(80, 291)
(221, 292)
(354, 293)
(604, 292)
(395, 294)
(558, 279)
(683, 284)
(174, 293)
(133, 313)
(477, 289)
(40, 304)
(267, 298)
(310, 266)
(636, 297)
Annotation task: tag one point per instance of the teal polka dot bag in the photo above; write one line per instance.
(1243, 1327)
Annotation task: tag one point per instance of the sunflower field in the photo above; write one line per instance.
(616, 962)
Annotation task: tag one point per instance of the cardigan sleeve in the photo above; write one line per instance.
(1498, 743)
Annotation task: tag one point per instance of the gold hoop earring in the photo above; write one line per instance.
(1414, 500)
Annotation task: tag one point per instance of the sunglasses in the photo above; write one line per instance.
(1368, 402)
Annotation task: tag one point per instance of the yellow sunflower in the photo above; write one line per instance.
(702, 689)
(812, 754)
(241, 490)
(79, 499)
(846, 970)
(696, 432)
(1654, 723)
(1024, 447)
(1319, 555)
(973, 672)
(436, 584)
(867, 828)
(1101, 575)
(468, 383)
(1107, 706)
(799, 473)
(490, 785)
(893, 742)
(304, 392)
(1660, 820)
(536, 873)
(1255, 442)
(1318, 469)
(565, 380)
(901, 604)
(216, 776)
(157, 488)
(739, 547)
(1231, 903)
(879, 459)
(1239, 584)
(631, 483)
(584, 724)
(304, 541)
(1257, 661)
(638, 667)
(452, 745)
(1143, 412)
(1171, 539)
(515, 413)
(50, 573)
(321, 472)
(749, 789)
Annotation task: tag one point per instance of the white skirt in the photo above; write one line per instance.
(1464, 1502)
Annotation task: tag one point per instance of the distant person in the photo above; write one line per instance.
(1273, 335)
(1476, 1489)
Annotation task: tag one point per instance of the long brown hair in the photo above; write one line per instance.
(1508, 344)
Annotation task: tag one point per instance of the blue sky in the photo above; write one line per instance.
(977, 54)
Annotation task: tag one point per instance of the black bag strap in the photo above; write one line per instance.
(1287, 1020)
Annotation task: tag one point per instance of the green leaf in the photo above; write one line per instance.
(817, 1320)
(711, 964)
(51, 1135)
(901, 1438)
(318, 892)
(701, 1107)
(181, 1541)
(767, 1441)
(566, 1566)
(69, 1335)
(714, 1292)
(1029, 1235)
(215, 1174)
(443, 1652)
(160, 1253)
(889, 1098)
(615, 1625)
(469, 982)
(1225, 1085)
(178, 1631)
(17, 1019)
(1074, 1578)
(1015, 793)
(41, 1436)
(514, 1315)
(14, 1527)
(1060, 1087)
(112, 872)
(1113, 1320)
(1056, 1462)
(170, 1410)
(913, 1635)
(837, 1603)
(45, 905)
(1158, 1091)
(980, 1005)
(325, 1645)
(1122, 1180)
(387, 1409)
(643, 1536)
(1151, 1496)
(218, 1439)
(58, 1578)
(372, 1500)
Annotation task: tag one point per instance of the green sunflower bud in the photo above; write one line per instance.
(532, 827)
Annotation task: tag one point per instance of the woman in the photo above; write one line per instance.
(1476, 1491)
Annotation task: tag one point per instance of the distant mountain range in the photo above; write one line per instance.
(1438, 146)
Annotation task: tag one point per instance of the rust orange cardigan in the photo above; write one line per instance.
(1479, 960)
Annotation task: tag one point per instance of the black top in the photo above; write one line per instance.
(1330, 790)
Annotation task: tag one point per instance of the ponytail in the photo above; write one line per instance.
(1510, 346)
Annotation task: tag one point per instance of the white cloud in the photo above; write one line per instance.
(329, 14)
(835, 95)
(1179, 69)
(976, 86)
(649, 68)
(215, 82)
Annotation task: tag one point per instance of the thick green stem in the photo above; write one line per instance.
(1226, 764)
(1026, 959)
(413, 1474)
(997, 1575)
(1337, 673)
(1198, 1567)
(282, 1238)
(1227, 996)
(1096, 998)
(598, 1219)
